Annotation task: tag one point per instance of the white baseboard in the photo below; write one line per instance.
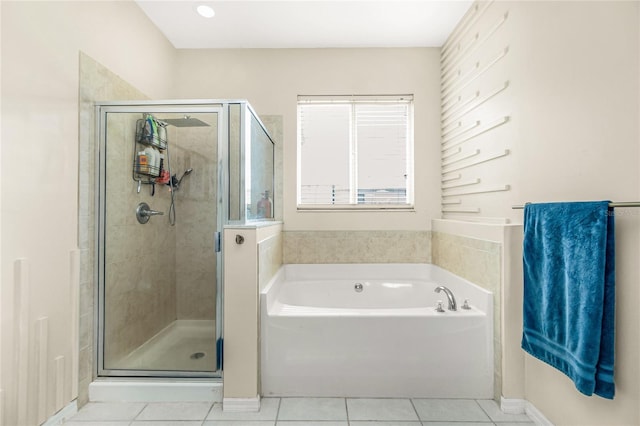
(63, 415)
(241, 404)
(522, 406)
(513, 406)
(537, 416)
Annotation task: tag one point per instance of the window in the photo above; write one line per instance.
(355, 151)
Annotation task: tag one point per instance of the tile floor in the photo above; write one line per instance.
(303, 412)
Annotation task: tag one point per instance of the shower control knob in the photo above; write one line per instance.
(144, 212)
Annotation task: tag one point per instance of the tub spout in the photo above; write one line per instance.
(453, 306)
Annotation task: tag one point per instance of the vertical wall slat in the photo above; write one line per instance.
(42, 364)
(59, 382)
(74, 264)
(21, 336)
(2, 396)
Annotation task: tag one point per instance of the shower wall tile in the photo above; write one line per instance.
(139, 259)
(356, 247)
(196, 218)
(139, 288)
(479, 261)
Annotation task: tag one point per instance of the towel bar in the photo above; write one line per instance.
(616, 204)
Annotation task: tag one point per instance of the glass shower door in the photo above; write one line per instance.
(160, 212)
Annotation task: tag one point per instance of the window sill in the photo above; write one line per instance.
(354, 208)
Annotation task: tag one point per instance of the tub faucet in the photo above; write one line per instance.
(453, 306)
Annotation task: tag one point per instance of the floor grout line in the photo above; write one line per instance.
(275, 422)
(346, 409)
(415, 410)
(208, 412)
(139, 412)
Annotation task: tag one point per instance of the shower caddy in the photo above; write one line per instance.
(149, 152)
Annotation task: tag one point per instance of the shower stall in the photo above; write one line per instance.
(171, 175)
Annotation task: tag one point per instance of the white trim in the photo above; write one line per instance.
(522, 406)
(154, 391)
(537, 416)
(512, 405)
(241, 404)
(329, 99)
(63, 415)
(409, 207)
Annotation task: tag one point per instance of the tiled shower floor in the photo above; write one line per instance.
(304, 412)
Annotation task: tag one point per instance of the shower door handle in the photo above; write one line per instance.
(217, 242)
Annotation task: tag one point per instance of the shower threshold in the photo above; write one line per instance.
(114, 389)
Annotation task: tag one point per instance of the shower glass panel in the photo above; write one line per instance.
(251, 167)
(259, 175)
(171, 175)
(235, 173)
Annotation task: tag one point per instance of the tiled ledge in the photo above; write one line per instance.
(356, 247)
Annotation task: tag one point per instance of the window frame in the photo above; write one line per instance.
(407, 99)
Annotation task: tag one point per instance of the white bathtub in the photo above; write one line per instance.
(321, 337)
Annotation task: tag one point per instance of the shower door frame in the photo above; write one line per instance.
(153, 107)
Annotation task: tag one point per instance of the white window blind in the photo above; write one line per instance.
(355, 151)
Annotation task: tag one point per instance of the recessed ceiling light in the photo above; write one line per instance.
(206, 11)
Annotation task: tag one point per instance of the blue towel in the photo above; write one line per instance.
(569, 291)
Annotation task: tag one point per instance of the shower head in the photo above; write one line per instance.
(186, 121)
(186, 172)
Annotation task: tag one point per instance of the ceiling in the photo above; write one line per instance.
(306, 23)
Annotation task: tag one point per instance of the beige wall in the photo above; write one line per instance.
(573, 134)
(272, 78)
(580, 121)
(41, 42)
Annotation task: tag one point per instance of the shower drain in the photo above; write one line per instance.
(197, 355)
